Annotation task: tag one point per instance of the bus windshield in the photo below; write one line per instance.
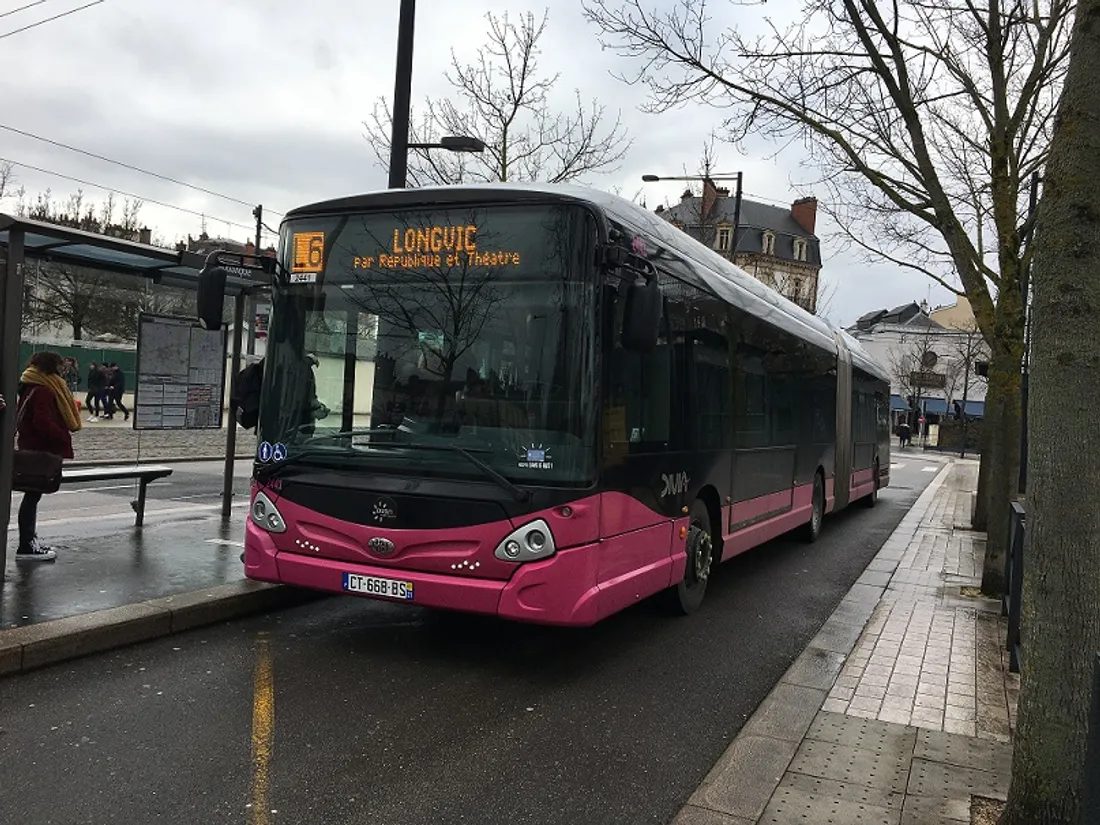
(407, 341)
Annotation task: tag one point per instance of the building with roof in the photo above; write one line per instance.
(928, 361)
(774, 244)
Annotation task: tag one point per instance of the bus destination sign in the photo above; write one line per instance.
(436, 246)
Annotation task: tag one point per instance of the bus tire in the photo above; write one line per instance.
(872, 499)
(686, 596)
(811, 530)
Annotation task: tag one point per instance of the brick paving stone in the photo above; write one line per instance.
(922, 709)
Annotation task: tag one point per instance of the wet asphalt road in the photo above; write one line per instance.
(389, 714)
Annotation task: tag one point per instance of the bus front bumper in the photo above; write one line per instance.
(560, 590)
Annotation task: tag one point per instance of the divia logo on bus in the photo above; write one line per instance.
(384, 510)
(675, 484)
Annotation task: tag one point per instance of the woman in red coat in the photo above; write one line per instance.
(47, 417)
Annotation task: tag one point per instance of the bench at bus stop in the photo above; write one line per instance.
(143, 473)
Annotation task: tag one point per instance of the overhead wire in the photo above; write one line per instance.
(50, 19)
(131, 167)
(126, 194)
(23, 8)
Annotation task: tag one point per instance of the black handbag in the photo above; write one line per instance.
(34, 471)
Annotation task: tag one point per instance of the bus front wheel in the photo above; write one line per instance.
(686, 596)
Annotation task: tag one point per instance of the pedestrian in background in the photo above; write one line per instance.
(97, 382)
(116, 386)
(46, 417)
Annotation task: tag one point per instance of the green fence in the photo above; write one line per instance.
(85, 354)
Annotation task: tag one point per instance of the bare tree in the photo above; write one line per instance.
(1061, 592)
(924, 118)
(7, 180)
(504, 99)
(73, 297)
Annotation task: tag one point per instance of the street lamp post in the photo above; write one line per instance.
(735, 176)
(402, 95)
(1025, 289)
(455, 143)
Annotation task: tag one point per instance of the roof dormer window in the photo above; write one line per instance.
(800, 249)
(768, 243)
(725, 238)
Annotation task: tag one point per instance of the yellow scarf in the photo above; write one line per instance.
(56, 385)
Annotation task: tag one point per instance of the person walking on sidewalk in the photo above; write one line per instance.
(116, 386)
(46, 418)
(97, 385)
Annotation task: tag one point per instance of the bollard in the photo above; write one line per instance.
(1090, 776)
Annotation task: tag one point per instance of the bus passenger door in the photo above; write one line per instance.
(635, 530)
(842, 476)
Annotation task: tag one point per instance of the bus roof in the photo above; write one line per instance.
(725, 278)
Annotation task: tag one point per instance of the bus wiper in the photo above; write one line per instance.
(341, 434)
(518, 493)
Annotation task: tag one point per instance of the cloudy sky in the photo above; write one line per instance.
(264, 101)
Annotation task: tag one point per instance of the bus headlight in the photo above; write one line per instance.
(527, 543)
(266, 515)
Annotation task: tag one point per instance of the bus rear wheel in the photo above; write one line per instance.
(872, 499)
(687, 595)
(812, 529)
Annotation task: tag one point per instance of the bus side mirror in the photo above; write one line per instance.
(210, 298)
(642, 315)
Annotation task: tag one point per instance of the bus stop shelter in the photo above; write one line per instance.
(21, 240)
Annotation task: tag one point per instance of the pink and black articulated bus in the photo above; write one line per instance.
(539, 402)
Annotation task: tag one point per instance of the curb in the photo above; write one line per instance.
(739, 786)
(37, 645)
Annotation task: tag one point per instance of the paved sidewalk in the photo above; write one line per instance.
(900, 710)
(118, 441)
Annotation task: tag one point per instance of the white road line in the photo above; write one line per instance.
(225, 542)
(929, 469)
(73, 490)
(897, 466)
(129, 514)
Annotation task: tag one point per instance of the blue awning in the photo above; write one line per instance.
(897, 403)
(975, 409)
(934, 406)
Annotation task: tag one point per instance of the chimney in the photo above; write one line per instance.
(686, 196)
(710, 195)
(145, 235)
(660, 208)
(804, 210)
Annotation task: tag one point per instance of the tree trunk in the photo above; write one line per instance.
(1061, 597)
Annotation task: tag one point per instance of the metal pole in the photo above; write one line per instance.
(1025, 289)
(402, 94)
(736, 218)
(966, 390)
(231, 432)
(11, 314)
(258, 213)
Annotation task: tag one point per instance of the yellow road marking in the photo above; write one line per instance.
(263, 732)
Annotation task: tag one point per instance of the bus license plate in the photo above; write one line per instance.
(374, 586)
